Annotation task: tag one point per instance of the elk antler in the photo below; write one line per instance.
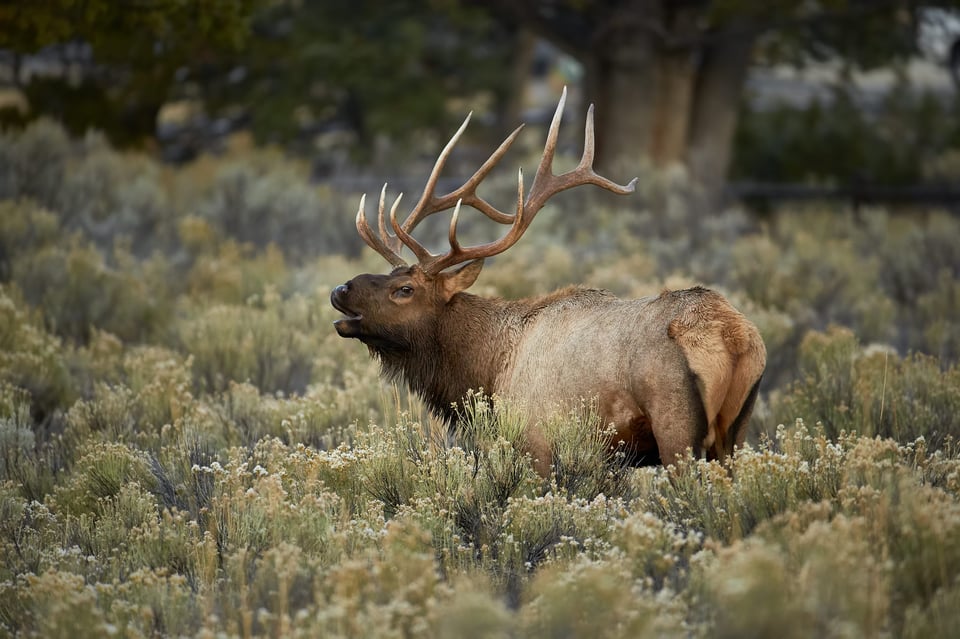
(545, 185)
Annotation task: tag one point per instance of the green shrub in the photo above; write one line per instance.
(152, 602)
(597, 599)
(872, 392)
(146, 395)
(111, 195)
(917, 527)
(819, 282)
(839, 141)
(78, 291)
(262, 342)
(827, 581)
(234, 274)
(16, 432)
(471, 612)
(311, 419)
(587, 462)
(34, 163)
(54, 601)
(24, 227)
(728, 503)
(937, 323)
(31, 358)
(102, 471)
(30, 465)
(835, 536)
(211, 458)
(531, 270)
(112, 529)
(937, 619)
(263, 200)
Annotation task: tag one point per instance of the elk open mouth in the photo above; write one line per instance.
(349, 325)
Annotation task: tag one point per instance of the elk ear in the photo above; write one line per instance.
(461, 279)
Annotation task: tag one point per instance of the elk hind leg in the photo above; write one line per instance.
(679, 422)
(738, 429)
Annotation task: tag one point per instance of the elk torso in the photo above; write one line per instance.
(632, 357)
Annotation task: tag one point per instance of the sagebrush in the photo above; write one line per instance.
(187, 448)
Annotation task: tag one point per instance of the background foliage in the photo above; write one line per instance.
(355, 84)
(124, 56)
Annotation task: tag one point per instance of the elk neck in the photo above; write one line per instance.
(467, 347)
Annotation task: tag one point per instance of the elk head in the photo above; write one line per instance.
(392, 312)
(399, 311)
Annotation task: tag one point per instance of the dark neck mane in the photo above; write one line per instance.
(465, 349)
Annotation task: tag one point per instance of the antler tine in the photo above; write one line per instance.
(430, 203)
(422, 208)
(545, 170)
(372, 239)
(586, 163)
(423, 255)
(546, 184)
(468, 192)
(456, 250)
(392, 241)
(452, 235)
(457, 254)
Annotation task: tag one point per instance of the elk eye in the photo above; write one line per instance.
(404, 291)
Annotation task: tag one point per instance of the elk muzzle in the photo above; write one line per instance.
(349, 325)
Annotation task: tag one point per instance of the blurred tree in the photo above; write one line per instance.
(905, 138)
(111, 65)
(359, 67)
(669, 74)
(288, 69)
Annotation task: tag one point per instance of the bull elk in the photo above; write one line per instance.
(670, 372)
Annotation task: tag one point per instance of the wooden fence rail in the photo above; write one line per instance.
(857, 194)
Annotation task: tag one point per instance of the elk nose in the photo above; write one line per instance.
(341, 290)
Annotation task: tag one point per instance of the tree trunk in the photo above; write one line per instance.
(716, 107)
(666, 93)
(620, 67)
(512, 102)
(644, 82)
(621, 81)
(675, 92)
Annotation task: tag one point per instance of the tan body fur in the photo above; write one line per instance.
(669, 372)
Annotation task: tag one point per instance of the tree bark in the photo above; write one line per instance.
(622, 82)
(644, 83)
(671, 126)
(513, 101)
(713, 120)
